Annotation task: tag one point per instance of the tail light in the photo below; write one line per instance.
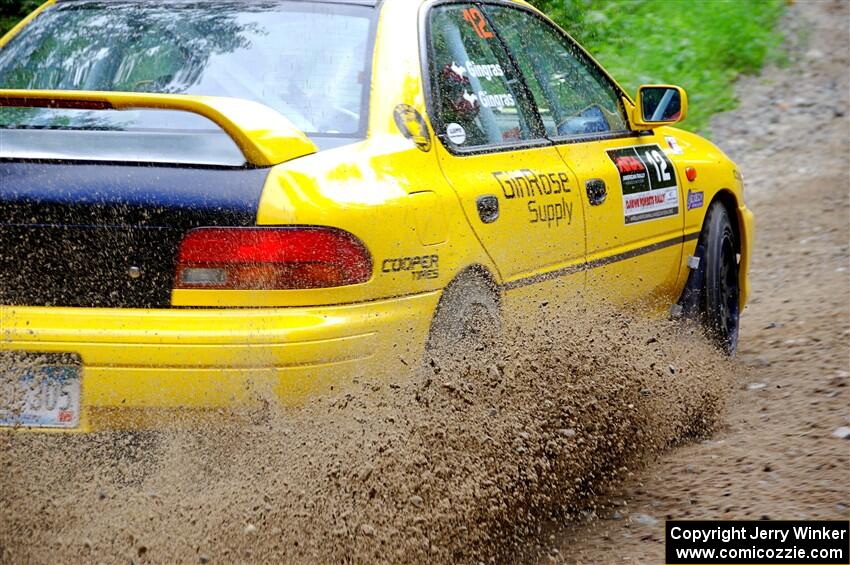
(271, 258)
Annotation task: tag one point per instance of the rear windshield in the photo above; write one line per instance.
(309, 61)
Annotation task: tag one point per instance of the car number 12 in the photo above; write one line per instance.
(660, 164)
(478, 23)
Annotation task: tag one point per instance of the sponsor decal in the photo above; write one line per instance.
(460, 71)
(558, 212)
(695, 199)
(412, 125)
(648, 181)
(673, 144)
(525, 183)
(456, 133)
(483, 71)
(489, 100)
(496, 100)
(421, 267)
(486, 70)
(538, 189)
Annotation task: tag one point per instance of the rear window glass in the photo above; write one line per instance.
(308, 61)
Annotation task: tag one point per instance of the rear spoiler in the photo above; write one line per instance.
(264, 136)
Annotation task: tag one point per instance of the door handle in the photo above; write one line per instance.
(596, 191)
(488, 208)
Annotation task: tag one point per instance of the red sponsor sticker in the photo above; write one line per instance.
(628, 164)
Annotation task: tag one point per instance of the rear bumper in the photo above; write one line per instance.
(140, 363)
(746, 220)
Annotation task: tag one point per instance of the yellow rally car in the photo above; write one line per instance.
(202, 202)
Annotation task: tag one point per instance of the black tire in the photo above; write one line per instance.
(467, 323)
(720, 292)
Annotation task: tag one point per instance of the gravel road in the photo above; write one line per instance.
(776, 456)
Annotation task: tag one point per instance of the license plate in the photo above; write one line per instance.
(39, 390)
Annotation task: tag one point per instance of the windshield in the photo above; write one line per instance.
(308, 61)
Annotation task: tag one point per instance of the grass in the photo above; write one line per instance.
(702, 46)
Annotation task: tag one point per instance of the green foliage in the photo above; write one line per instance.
(700, 45)
(12, 11)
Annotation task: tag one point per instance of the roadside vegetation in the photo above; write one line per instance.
(12, 11)
(700, 45)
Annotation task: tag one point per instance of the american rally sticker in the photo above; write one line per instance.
(648, 179)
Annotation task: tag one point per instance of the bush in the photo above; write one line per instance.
(701, 46)
(12, 11)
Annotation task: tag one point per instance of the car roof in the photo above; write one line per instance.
(356, 2)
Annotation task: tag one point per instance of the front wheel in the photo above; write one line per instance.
(721, 293)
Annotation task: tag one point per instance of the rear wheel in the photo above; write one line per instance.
(466, 327)
(721, 293)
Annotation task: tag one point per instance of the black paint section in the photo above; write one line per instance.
(70, 232)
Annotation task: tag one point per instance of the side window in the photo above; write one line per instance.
(573, 96)
(477, 99)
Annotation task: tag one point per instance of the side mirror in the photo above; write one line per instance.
(659, 105)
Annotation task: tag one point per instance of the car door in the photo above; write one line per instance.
(518, 194)
(630, 187)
